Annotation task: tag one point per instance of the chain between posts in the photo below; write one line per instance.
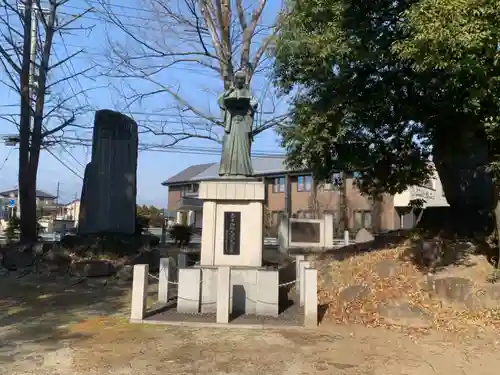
(287, 283)
(177, 283)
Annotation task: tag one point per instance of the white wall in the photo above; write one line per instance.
(433, 197)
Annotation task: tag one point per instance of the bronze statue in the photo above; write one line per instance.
(238, 109)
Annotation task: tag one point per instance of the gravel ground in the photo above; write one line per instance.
(49, 328)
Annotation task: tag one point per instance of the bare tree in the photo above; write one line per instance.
(28, 29)
(217, 37)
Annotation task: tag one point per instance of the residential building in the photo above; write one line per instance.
(46, 203)
(70, 212)
(295, 193)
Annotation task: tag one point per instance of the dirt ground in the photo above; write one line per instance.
(51, 328)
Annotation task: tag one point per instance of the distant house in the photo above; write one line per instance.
(71, 211)
(46, 203)
(42, 198)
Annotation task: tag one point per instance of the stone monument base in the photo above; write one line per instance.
(251, 290)
(233, 222)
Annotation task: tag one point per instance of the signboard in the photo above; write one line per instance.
(232, 227)
(423, 193)
(12, 203)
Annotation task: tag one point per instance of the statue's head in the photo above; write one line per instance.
(240, 79)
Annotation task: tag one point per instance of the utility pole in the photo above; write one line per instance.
(57, 194)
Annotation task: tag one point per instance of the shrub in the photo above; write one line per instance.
(12, 230)
(181, 234)
(141, 224)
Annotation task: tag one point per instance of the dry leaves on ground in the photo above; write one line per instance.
(405, 286)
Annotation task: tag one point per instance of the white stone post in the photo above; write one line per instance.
(223, 294)
(268, 296)
(298, 259)
(302, 266)
(181, 260)
(311, 298)
(164, 278)
(283, 233)
(328, 227)
(189, 290)
(346, 237)
(139, 292)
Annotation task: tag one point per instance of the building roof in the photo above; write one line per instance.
(200, 172)
(72, 202)
(39, 194)
(187, 174)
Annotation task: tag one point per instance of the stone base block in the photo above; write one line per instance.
(244, 291)
(268, 296)
(245, 189)
(188, 295)
(245, 198)
(209, 289)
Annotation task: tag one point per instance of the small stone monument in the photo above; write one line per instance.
(108, 202)
(233, 207)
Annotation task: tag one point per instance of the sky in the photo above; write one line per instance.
(63, 166)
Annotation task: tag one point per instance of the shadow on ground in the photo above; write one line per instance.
(42, 310)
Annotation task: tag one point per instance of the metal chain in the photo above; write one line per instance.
(177, 283)
(288, 283)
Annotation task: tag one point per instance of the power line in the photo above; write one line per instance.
(155, 147)
(164, 113)
(74, 94)
(194, 151)
(203, 71)
(63, 163)
(163, 146)
(6, 159)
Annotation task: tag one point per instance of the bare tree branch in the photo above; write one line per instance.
(201, 35)
(27, 33)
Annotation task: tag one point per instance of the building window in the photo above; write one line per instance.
(279, 185)
(304, 183)
(190, 189)
(362, 219)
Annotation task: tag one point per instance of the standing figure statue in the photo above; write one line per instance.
(238, 109)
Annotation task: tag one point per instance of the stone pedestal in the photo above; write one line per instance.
(233, 219)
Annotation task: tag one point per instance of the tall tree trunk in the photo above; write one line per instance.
(468, 187)
(497, 225)
(27, 175)
(27, 193)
